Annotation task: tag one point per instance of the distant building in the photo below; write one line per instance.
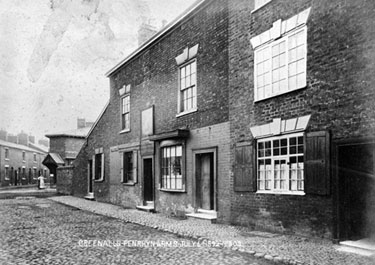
(64, 146)
(20, 164)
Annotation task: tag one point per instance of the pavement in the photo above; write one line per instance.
(41, 231)
(277, 248)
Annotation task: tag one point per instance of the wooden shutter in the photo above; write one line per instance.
(317, 166)
(135, 162)
(244, 177)
(122, 167)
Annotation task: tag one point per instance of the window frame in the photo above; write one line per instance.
(35, 158)
(133, 170)
(6, 172)
(23, 156)
(286, 157)
(97, 166)
(182, 169)
(180, 104)
(125, 127)
(269, 45)
(6, 153)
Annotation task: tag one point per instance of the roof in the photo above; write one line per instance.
(158, 35)
(39, 147)
(20, 146)
(76, 133)
(53, 158)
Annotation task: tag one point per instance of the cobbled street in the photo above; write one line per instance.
(40, 231)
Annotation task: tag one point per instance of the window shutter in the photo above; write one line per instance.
(102, 173)
(93, 167)
(135, 162)
(244, 177)
(122, 167)
(317, 166)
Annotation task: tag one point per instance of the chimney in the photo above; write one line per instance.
(3, 134)
(23, 138)
(12, 138)
(31, 139)
(81, 123)
(145, 32)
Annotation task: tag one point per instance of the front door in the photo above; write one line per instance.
(148, 192)
(205, 181)
(357, 189)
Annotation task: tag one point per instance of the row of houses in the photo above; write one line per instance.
(21, 164)
(254, 113)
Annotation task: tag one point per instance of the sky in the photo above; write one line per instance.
(54, 55)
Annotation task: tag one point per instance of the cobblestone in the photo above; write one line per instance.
(41, 231)
(285, 249)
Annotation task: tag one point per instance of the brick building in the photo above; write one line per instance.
(20, 164)
(259, 112)
(302, 116)
(163, 140)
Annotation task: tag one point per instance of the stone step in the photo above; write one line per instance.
(364, 247)
(149, 207)
(204, 215)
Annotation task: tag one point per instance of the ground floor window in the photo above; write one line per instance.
(99, 166)
(129, 167)
(6, 173)
(171, 177)
(280, 164)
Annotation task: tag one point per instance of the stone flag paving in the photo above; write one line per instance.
(282, 249)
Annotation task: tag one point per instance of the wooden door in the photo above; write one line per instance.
(205, 182)
(148, 192)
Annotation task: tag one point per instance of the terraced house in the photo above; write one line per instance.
(257, 113)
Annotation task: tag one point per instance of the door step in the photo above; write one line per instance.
(364, 247)
(149, 207)
(90, 196)
(209, 215)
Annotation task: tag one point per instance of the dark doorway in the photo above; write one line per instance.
(357, 187)
(205, 181)
(89, 177)
(148, 192)
(15, 177)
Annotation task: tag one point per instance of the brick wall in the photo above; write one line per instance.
(339, 96)
(64, 180)
(153, 76)
(210, 137)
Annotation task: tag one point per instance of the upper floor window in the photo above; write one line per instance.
(35, 157)
(280, 164)
(280, 66)
(23, 155)
(188, 87)
(125, 108)
(259, 3)
(6, 172)
(6, 153)
(171, 176)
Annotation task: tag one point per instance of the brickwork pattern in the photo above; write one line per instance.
(339, 95)
(64, 180)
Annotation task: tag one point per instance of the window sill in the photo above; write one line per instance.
(129, 183)
(99, 180)
(259, 7)
(186, 112)
(124, 131)
(279, 94)
(298, 193)
(173, 191)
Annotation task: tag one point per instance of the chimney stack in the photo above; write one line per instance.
(145, 32)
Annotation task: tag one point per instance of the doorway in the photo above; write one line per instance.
(148, 190)
(89, 177)
(205, 181)
(356, 191)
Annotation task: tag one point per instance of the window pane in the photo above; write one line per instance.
(183, 83)
(183, 72)
(193, 67)
(187, 70)
(301, 80)
(193, 79)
